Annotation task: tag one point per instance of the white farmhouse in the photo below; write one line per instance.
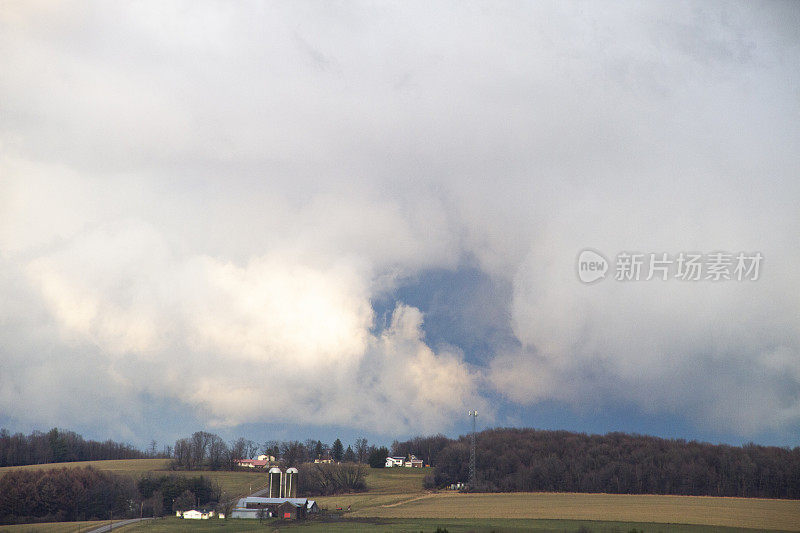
(197, 515)
(395, 461)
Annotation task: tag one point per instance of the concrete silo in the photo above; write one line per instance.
(274, 483)
(290, 487)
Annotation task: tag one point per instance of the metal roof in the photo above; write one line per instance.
(274, 501)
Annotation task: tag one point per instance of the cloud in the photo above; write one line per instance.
(278, 339)
(702, 349)
(200, 203)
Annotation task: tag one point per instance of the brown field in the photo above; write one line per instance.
(398, 494)
(733, 512)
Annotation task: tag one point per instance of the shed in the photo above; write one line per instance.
(291, 511)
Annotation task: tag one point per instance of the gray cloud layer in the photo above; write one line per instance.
(198, 202)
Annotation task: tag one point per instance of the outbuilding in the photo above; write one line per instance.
(250, 507)
(291, 511)
(194, 514)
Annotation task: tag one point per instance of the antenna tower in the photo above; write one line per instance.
(473, 415)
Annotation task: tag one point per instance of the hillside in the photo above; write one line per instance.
(729, 512)
(397, 494)
(233, 484)
(525, 460)
(396, 500)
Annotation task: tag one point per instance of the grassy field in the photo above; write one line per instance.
(233, 484)
(53, 527)
(396, 480)
(385, 486)
(134, 467)
(412, 525)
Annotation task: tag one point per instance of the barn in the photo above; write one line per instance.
(249, 507)
(291, 510)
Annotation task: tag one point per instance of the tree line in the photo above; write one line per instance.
(57, 446)
(161, 493)
(205, 450)
(64, 494)
(69, 494)
(202, 450)
(324, 479)
(511, 459)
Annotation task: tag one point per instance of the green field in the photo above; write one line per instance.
(53, 527)
(396, 480)
(427, 525)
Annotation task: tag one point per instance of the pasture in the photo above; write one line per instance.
(426, 525)
(396, 480)
(134, 467)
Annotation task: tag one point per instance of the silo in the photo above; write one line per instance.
(274, 484)
(291, 483)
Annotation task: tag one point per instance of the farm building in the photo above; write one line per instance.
(197, 515)
(253, 463)
(291, 511)
(298, 507)
(411, 462)
(395, 461)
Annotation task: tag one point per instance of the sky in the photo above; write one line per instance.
(318, 219)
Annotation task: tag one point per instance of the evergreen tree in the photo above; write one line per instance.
(349, 455)
(318, 450)
(337, 451)
(377, 457)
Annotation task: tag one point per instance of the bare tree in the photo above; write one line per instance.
(293, 453)
(362, 450)
(183, 456)
(271, 447)
(252, 449)
(311, 448)
(217, 452)
(238, 449)
(326, 479)
(200, 441)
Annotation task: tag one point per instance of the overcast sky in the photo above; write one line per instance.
(291, 219)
